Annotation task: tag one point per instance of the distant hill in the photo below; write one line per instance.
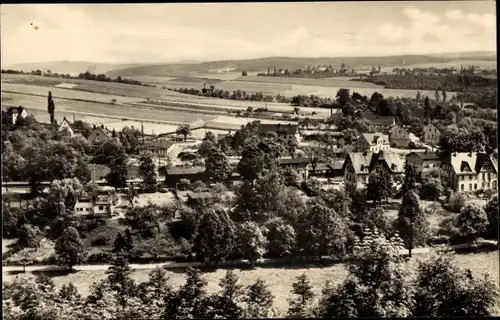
(70, 67)
(185, 69)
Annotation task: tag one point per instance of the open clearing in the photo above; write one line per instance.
(279, 280)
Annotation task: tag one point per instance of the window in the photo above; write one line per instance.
(475, 186)
(470, 186)
(489, 176)
(461, 187)
(483, 186)
(101, 207)
(482, 175)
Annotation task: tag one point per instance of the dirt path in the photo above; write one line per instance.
(101, 267)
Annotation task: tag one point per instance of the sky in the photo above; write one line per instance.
(156, 33)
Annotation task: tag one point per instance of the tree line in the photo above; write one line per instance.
(377, 285)
(84, 76)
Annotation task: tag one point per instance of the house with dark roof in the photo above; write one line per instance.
(399, 137)
(281, 129)
(425, 161)
(373, 142)
(471, 171)
(431, 134)
(358, 166)
(174, 175)
(10, 116)
(286, 133)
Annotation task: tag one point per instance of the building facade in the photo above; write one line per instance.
(358, 166)
(470, 171)
(373, 142)
(431, 134)
(399, 136)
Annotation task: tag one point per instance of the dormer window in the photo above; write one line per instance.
(393, 167)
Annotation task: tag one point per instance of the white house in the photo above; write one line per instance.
(101, 204)
(66, 126)
(373, 142)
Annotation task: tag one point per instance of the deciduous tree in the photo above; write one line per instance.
(412, 222)
(70, 249)
(217, 166)
(148, 172)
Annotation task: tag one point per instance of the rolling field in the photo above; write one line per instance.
(279, 280)
(290, 89)
(487, 64)
(327, 82)
(36, 105)
(104, 92)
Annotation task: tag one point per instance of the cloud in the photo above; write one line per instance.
(485, 20)
(430, 32)
(143, 34)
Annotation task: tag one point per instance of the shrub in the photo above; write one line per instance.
(162, 190)
(99, 257)
(431, 189)
(455, 202)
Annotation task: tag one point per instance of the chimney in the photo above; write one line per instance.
(102, 126)
(470, 153)
(94, 126)
(454, 154)
(426, 150)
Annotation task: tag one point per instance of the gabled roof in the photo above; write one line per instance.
(282, 128)
(359, 161)
(426, 156)
(13, 110)
(103, 130)
(471, 160)
(393, 161)
(397, 127)
(372, 138)
(430, 125)
(65, 121)
(368, 160)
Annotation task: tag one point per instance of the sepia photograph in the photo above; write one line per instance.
(249, 160)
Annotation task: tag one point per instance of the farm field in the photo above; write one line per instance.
(61, 93)
(279, 280)
(291, 89)
(488, 64)
(104, 92)
(98, 110)
(327, 82)
(82, 87)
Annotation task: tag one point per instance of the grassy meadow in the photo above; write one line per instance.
(279, 279)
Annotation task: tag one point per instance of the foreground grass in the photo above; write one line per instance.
(279, 279)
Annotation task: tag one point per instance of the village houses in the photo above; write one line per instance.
(100, 204)
(10, 116)
(373, 142)
(431, 134)
(471, 171)
(358, 166)
(99, 133)
(399, 137)
(424, 162)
